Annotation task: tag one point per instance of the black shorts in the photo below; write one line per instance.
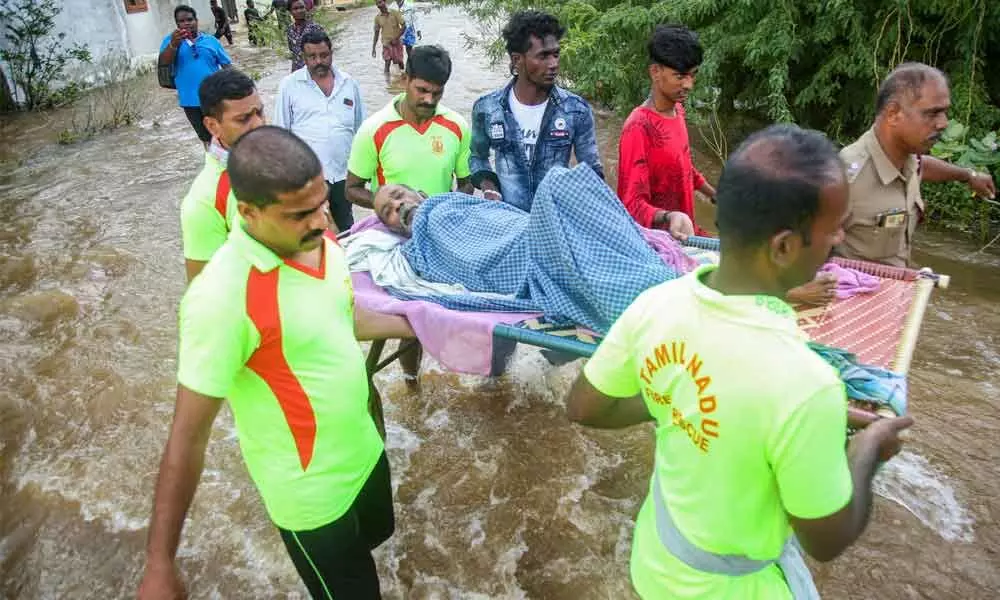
(194, 116)
(340, 208)
(335, 560)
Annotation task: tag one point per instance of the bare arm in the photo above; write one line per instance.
(169, 54)
(935, 170)
(357, 193)
(586, 405)
(180, 471)
(825, 538)
(375, 39)
(708, 191)
(370, 325)
(193, 267)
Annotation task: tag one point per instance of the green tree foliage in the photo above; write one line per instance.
(815, 63)
(37, 59)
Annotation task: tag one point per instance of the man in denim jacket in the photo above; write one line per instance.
(531, 124)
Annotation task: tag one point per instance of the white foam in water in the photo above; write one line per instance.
(910, 481)
(402, 443)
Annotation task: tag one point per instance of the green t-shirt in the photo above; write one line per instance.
(206, 219)
(387, 149)
(750, 423)
(277, 340)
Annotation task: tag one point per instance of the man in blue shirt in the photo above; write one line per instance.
(531, 124)
(194, 56)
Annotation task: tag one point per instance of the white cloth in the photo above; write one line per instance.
(326, 123)
(380, 253)
(529, 121)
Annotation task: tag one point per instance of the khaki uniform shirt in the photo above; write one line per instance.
(392, 24)
(885, 204)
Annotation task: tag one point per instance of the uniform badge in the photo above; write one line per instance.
(559, 124)
(348, 102)
(496, 131)
(437, 145)
(853, 169)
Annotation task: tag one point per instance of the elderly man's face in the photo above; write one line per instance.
(396, 205)
(920, 120)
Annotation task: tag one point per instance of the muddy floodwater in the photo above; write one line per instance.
(497, 495)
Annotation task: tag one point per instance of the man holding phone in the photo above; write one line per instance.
(192, 56)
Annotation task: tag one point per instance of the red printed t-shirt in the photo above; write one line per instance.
(655, 171)
(276, 339)
(750, 428)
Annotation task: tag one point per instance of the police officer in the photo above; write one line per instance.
(886, 165)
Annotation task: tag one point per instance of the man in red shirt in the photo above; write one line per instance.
(655, 174)
(656, 177)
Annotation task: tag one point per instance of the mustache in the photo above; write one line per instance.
(428, 106)
(312, 235)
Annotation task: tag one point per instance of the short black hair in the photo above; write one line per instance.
(430, 63)
(268, 161)
(675, 46)
(907, 78)
(184, 8)
(314, 36)
(527, 23)
(772, 183)
(224, 84)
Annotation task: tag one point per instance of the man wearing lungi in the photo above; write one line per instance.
(392, 26)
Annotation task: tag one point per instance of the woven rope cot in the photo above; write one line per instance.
(881, 328)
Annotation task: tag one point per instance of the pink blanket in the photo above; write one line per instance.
(851, 282)
(460, 341)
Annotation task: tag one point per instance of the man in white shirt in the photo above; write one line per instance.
(322, 105)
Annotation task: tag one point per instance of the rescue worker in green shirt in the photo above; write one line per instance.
(232, 107)
(270, 325)
(751, 424)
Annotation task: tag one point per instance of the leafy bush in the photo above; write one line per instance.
(118, 98)
(271, 32)
(953, 203)
(36, 59)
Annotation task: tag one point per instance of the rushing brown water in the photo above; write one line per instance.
(497, 495)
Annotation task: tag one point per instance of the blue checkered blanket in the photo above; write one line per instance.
(578, 257)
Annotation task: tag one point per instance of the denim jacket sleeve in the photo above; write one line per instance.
(479, 158)
(585, 143)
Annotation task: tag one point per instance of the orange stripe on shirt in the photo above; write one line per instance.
(222, 196)
(381, 134)
(449, 125)
(269, 363)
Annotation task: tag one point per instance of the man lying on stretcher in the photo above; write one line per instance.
(397, 205)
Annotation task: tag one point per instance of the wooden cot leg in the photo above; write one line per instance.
(374, 398)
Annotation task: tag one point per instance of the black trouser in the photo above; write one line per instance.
(340, 208)
(335, 561)
(223, 29)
